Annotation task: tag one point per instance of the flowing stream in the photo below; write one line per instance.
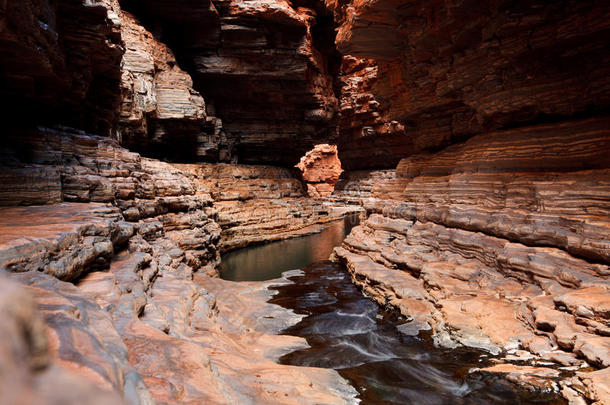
(353, 335)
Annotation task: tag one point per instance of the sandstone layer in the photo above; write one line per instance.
(476, 136)
(161, 114)
(258, 204)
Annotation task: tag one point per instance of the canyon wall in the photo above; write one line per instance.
(117, 298)
(119, 252)
(492, 232)
(445, 71)
(266, 68)
(60, 60)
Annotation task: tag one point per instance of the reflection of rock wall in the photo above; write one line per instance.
(259, 203)
(320, 168)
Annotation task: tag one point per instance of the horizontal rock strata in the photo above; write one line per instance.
(161, 114)
(265, 67)
(498, 243)
(445, 71)
(258, 204)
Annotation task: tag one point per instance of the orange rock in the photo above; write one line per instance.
(320, 168)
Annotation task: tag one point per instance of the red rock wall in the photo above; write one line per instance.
(493, 229)
(161, 114)
(266, 68)
(449, 70)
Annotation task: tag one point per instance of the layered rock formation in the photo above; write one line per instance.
(119, 261)
(265, 67)
(60, 59)
(161, 114)
(446, 71)
(258, 204)
(486, 242)
(320, 168)
(476, 137)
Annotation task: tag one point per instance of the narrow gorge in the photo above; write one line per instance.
(305, 202)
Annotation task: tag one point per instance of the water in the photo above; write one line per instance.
(353, 335)
(269, 261)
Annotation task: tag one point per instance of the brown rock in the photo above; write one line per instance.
(321, 169)
(444, 71)
(161, 114)
(277, 56)
(60, 59)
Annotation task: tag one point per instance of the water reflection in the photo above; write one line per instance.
(269, 261)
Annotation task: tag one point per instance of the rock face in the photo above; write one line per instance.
(321, 169)
(499, 243)
(495, 117)
(119, 261)
(258, 204)
(445, 71)
(265, 67)
(60, 59)
(161, 114)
